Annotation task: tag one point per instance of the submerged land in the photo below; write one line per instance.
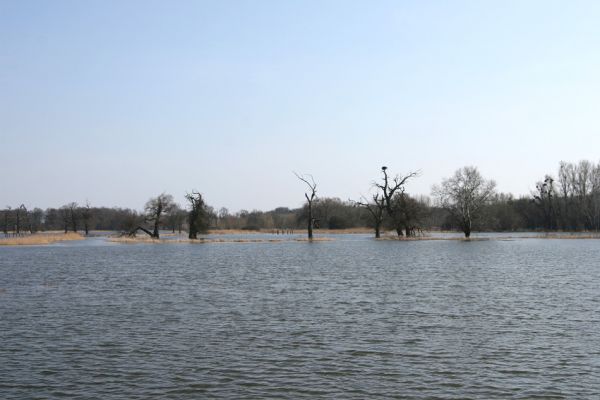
(270, 236)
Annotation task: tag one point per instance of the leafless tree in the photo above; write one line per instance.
(311, 196)
(545, 199)
(6, 213)
(176, 218)
(463, 195)
(20, 214)
(376, 208)
(198, 218)
(155, 209)
(73, 211)
(86, 217)
(65, 217)
(390, 189)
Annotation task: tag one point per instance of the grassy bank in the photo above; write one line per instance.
(39, 239)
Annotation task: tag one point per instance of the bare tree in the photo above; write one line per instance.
(6, 216)
(390, 189)
(545, 199)
(86, 217)
(65, 217)
(310, 199)
(73, 215)
(155, 209)
(35, 219)
(21, 214)
(463, 195)
(198, 215)
(376, 208)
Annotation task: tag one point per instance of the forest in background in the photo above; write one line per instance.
(568, 202)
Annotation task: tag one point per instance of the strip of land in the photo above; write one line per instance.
(39, 239)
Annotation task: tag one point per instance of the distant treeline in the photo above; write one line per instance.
(569, 202)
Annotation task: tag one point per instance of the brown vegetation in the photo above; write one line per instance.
(39, 239)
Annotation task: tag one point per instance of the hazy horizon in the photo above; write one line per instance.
(116, 102)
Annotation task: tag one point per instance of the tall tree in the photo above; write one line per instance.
(376, 208)
(155, 209)
(86, 217)
(198, 218)
(464, 195)
(73, 210)
(21, 214)
(6, 213)
(545, 199)
(65, 217)
(311, 196)
(390, 189)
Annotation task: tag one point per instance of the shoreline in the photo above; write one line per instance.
(216, 236)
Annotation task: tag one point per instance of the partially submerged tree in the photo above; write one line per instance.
(464, 195)
(376, 208)
(198, 216)
(155, 209)
(390, 189)
(310, 199)
(409, 213)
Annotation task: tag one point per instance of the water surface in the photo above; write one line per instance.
(351, 318)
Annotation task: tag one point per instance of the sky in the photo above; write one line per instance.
(114, 102)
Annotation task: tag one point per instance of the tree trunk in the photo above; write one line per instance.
(155, 234)
(377, 229)
(467, 229)
(310, 221)
(86, 227)
(139, 228)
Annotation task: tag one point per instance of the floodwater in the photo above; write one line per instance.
(350, 318)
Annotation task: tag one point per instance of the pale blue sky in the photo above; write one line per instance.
(117, 101)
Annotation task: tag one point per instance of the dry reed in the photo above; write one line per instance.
(40, 239)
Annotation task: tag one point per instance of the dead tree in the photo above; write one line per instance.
(376, 209)
(390, 188)
(309, 199)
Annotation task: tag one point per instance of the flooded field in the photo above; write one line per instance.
(348, 318)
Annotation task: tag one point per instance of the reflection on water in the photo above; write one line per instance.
(352, 318)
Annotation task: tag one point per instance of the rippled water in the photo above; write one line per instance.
(352, 318)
